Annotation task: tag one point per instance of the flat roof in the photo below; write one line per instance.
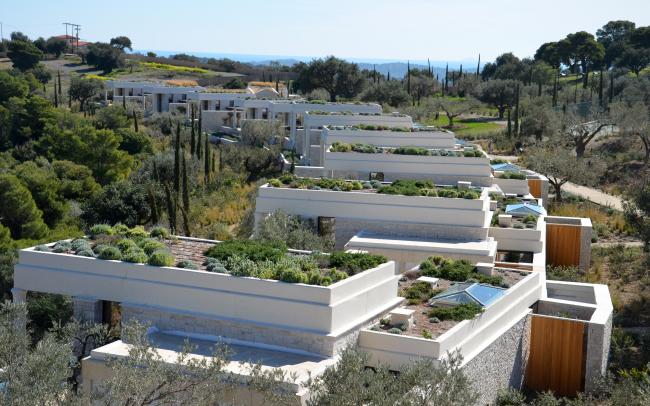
(242, 354)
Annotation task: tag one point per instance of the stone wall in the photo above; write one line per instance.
(324, 345)
(502, 364)
(85, 309)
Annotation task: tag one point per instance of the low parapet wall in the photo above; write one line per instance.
(317, 309)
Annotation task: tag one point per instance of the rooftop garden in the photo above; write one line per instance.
(432, 321)
(511, 175)
(398, 187)
(519, 222)
(248, 258)
(338, 146)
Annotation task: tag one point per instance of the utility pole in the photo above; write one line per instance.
(2, 36)
(67, 39)
(77, 28)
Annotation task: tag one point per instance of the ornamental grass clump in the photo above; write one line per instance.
(80, 244)
(159, 232)
(125, 244)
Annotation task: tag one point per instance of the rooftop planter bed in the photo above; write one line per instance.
(431, 322)
(399, 187)
(246, 258)
(371, 149)
(218, 292)
(511, 175)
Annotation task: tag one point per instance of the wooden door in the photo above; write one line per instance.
(557, 355)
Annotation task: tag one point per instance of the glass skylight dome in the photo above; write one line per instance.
(468, 292)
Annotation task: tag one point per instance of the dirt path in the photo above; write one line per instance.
(594, 195)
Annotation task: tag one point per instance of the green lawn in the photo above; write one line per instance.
(465, 127)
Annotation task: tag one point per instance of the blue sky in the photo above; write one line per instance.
(364, 29)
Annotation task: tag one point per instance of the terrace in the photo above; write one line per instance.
(467, 152)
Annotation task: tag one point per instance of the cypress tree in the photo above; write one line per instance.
(135, 121)
(69, 98)
(509, 124)
(212, 162)
(555, 91)
(124, 101)
(446, 79)
(155, 214)
(388, 78)
(408, 80)
(220, 160)
(177, 162)
(429, 69)
(600, 89)
(517, 111)
(478, 65)
(186, 188)
(460, 73)
(198, 144)
(206, 167)
(611, 88)
(171, 209)
(374, 73)
(193, 135)
(58, 73)
(56, 96)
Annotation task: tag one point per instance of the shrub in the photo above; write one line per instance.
(214, 265)
(110, 253)
(434, 320)
(186, 264)
(426, 334)
(448, 269)
(125, 244)
(513, 175)
(335, 275)
(80, 244)
(100, 229)
(161, 258)
(159, 232)
(395, 330)
(510, 397)
(135, 255)
(250, 249)
(62, 246)
(473, 153)
(530, 219)
(120, 229)
(355, 262)
(460, 312)
(275, 182)
(292, 275)
(150, 245)
(137, 233)
(42, 248)
(85, 253)
(340, 147)
(411, 151)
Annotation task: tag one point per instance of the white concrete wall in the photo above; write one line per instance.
(375, 206)
(524, 239)
(513, 186)
(470, 337)
(424, 139)
(411, 166)
(317, 309)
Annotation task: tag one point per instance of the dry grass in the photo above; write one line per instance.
(607, 222)
(182, 82)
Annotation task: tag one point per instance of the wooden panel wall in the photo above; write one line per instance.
(557, 356)
(535, 187)
(563, 245)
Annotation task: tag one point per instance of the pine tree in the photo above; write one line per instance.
(135, 121)
(193, 135)
(177, 163)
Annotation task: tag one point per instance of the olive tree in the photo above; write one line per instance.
(423, 382)
(499, 93)
(560, 166)
(454, 108)
(633, 119)
(581, 125)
